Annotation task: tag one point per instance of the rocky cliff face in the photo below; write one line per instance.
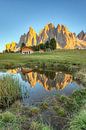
(82, 36)
(31, 39)
(47, 33)
(22, 39)
(64, 38)
(11, 47)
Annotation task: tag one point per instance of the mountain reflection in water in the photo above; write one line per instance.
(48, 79)
(41, 85)
(59, 81)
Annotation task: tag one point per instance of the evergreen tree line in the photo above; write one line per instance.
(48, 45)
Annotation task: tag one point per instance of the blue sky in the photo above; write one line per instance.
(16, 16)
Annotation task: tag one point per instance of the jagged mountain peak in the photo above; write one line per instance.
(82, 35)
(46, 33)
(64, 38)
(31, 37)
(49, 25)
(31, 30)
(61, 27)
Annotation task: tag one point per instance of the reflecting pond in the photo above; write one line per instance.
(38, 85)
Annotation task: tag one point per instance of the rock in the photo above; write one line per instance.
(82, 36)
(64, 38)
(22, 39)
(47, 33)
(11, 47)
(31, 39)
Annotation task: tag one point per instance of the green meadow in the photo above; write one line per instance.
(59, 58)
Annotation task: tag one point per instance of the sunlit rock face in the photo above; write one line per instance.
(31, 39)
(7, 47)
(47, 33)
(60, 80)
(11, 46)
(64, 38)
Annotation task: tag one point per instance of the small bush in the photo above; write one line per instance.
(9, 121)
(79, 121)
(33, 111)
(39, 126)
(79, 96)
(44, 106)
(69, 103)
(60, 111)
(8, 117)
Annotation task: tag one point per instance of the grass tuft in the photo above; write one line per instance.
(9, 90)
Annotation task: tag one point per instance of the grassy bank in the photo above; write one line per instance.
(59, 58)
(9, 90)
(68, 113)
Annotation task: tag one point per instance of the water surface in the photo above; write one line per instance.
(37, 86)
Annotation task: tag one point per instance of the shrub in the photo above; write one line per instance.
(34, 110)
(39, 126)
(9, 121)
(79, 121)
(75, 101)
(8, 117)
(60, 111)
(79, 96)
(44, 106)
(71, 105)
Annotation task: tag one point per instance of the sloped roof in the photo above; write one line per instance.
(26, 49)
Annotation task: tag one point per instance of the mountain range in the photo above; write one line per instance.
(64, 38)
